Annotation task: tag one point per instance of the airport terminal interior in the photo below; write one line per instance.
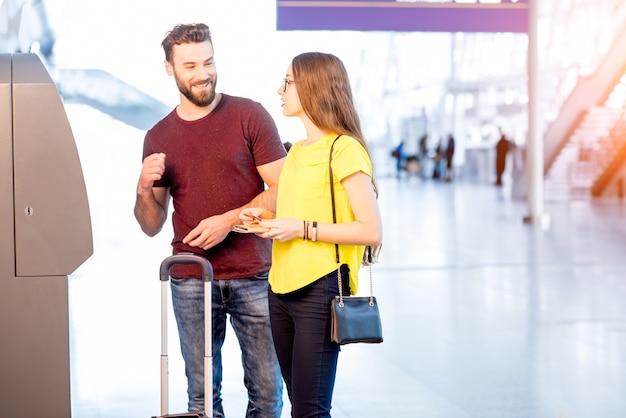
(485, 315)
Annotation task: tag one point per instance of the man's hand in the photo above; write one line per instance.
(152, 170)
(209, 232)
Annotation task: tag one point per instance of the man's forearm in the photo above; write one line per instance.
(150, 215)
(266, 199)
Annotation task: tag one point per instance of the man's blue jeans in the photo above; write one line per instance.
(245, 300)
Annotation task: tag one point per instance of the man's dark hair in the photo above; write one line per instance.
(185, 34)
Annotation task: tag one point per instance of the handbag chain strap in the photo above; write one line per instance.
(368, 248)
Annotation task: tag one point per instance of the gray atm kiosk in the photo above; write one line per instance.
(45, 234)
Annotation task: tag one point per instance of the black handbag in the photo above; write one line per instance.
(353, 319)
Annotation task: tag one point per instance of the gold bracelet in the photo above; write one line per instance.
(314, 233)
(303, 230)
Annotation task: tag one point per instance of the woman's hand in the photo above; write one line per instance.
(283, 229)
(255, 215)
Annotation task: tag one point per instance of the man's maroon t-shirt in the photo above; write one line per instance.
(210, 168)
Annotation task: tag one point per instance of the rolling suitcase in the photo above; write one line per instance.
(207, 278)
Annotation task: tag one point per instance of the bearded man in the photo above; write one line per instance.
(214, 155)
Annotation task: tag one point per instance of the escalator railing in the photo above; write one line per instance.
(590, 92)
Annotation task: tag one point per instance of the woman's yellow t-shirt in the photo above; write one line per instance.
(304, 193)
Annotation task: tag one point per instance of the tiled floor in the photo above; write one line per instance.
(483, 316)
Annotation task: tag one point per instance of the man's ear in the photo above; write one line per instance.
(168, 68)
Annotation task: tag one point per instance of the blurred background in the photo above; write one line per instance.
(409, 85)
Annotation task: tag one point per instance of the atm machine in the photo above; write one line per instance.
(45, 235)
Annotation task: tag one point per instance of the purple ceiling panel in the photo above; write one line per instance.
(392, 15)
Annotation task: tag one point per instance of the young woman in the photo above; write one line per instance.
(303, 277)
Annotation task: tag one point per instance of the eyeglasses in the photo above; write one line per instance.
(286, 83)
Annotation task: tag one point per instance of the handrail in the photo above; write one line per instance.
(588, 92)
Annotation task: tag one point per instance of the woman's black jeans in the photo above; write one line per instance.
(301, 332)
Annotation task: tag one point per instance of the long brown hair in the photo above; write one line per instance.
(326, 98)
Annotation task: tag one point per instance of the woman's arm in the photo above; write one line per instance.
(366, 229)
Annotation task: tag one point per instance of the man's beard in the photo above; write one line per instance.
(202, 99)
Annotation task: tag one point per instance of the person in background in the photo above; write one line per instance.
(400, 155)
(437, 159)
(449, 157)
(422, 153)
(304, 273)
(502, 148)
(213, 154)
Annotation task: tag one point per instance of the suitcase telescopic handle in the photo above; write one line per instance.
(207, 278)
(186, 258)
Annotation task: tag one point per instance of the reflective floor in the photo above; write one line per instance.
(483, 316)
